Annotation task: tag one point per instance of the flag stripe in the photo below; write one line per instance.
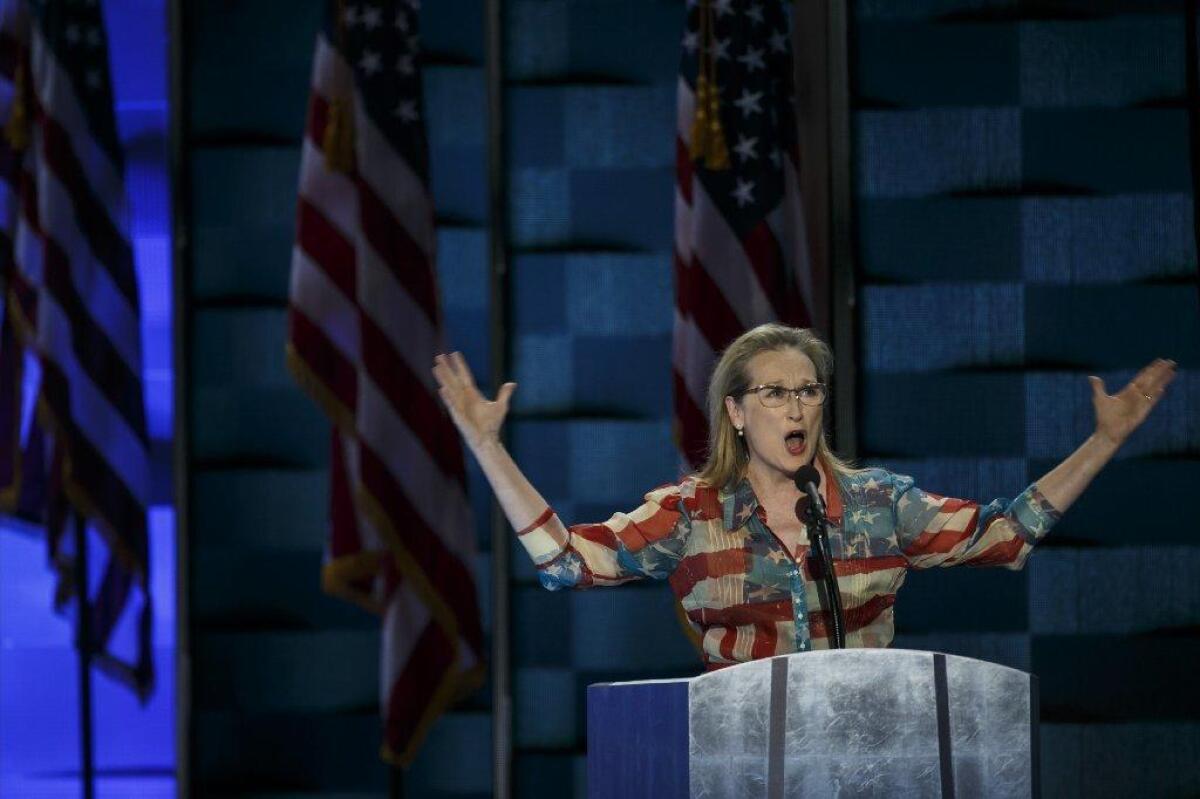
(106, 241)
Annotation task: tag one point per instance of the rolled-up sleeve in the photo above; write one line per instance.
(645, 543)
(933, 530)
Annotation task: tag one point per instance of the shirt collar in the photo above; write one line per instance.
(739, 502)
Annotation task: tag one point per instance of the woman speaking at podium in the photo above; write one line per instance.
(728, 538)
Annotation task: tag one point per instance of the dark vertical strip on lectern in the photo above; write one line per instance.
(945, 754)
(1035, 740)
(778, 726)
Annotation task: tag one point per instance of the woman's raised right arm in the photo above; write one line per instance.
(478, 420)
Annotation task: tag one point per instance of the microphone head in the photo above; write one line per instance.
(807, 474)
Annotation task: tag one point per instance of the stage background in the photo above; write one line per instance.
(1023, 217)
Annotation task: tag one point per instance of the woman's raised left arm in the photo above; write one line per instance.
(1117, 416)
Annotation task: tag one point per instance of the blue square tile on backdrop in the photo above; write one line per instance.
(1081, 240)
(620, 126)
(625, 40)
(543, 369)
(624, 208)
(1109, 151)
(535, 126)
(458, 178)
(1118, 62)
(915, 240)
(622, 375)
(618, 461)
(943, 326)
(543, 450)
(933, 64)
(537, 45)
(455, 30)
(540, 294)
(462, 268)
(619, 294)
(456, 107)
(540, 207)
(1112, 327)
(948, 414)
(937, 151)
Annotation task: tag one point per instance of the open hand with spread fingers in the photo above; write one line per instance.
(1118, 415)
(478, 419)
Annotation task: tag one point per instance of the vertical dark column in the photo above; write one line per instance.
(498, 298)
(181, 332)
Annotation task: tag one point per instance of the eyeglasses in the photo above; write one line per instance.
(772, 396)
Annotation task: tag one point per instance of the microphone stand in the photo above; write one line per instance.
(827, 585)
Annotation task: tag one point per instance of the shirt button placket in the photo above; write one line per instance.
(800, 611)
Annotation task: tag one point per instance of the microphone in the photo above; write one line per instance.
(808, 480)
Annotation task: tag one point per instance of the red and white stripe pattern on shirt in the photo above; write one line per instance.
(364, 325)
(728, 282)
(72, 295)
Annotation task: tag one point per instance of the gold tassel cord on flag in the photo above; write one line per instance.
(16, 127)
(338, 144)
(338, 141)
(708, 146)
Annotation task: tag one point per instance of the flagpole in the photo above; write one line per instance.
(83, 646)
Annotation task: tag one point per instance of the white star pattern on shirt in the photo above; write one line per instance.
(752, 59)
(754, 12)
(401, 22)
(370, 62)
(744, 193)
(748, 102)
(720, 49)
(691, 40)
(73, 34)
(351, 16)
(372, 18)
(723, 7)
(779, 42)
(92, 79)
(406, 111)
(93, 37)
(871, 484)
(404, 64)
(745, 147)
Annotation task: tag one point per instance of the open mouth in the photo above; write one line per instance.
(795, 441)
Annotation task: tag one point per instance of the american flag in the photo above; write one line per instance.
(364, 325)
(71, 314)
(741, 256)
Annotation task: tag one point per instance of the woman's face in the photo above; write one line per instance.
(780, 439)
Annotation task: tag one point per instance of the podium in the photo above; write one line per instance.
(846, 723)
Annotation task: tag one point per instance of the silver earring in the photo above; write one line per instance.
(740, 433)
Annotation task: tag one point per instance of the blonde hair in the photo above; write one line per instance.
(727, 456)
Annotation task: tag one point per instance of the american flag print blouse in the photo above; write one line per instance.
(746, 596)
